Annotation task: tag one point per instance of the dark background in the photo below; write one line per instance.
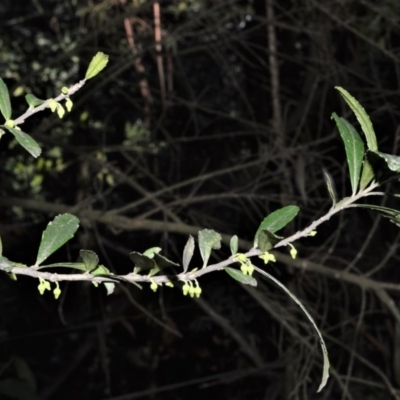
(205, 121)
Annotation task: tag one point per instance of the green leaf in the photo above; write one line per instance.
(161, 263)
(26, 141)
(188, 253)
(267, 240)
(150, 252)
(33, 101)
(208, 240)
(325, 369)
(57, 233)
(101, 270)
(362, 118)
(5, 264)
(330, 186)
(354, 147)
(90, 259)
(5, 104)
(234, 244)
(78, 266)
(276, 220)
(142, 262)
(392, 162)
(98, 63)
(240, 276)
(367, 174)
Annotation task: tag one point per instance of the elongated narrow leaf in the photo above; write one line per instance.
(277, 220)
(78, 266)
(354, 147)
(362, 118)
(57, 233)
(367, 174)
(188, 253)
(208, 240)
(240, 276)
(90, 259)
(33, 101)
(98, 63)
(330, 186)
(234, 244)
(26, 141)
(5, 104)
(325, 369)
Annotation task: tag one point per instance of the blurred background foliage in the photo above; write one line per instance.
(210, 114)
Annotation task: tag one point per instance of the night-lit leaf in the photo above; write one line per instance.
(392, 162)
(5, 104)
(5, 264)
(208, 240)
(267, 240)
(33, 101)
(367, 174)
(98, 63)
(240, 276)
(234, 244)
(26, 141)
(325, 369)
(142, 262)
(277, 220)
(362, 118)
(188, 253)
(101, 270)
(354, 147)
(90, 259)
(330, 186)
(57, 233)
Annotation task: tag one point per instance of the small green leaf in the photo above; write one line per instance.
(5, 104)
(161, 263)
(78, 266)
(354, 147)
(234, 244)
(188, 253)
(362, 118)
(57, 233)
(26, 141)
(152, 251)
(33, 101)
(90, 259)
(240, 276)
(101, 270)
(142, 262)
(392, 162)
(267, 240)
(277, 220)
(367, 174)
(330, 186)
(208, 240)
(98, 63)
(325, 369)
(5, 264)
